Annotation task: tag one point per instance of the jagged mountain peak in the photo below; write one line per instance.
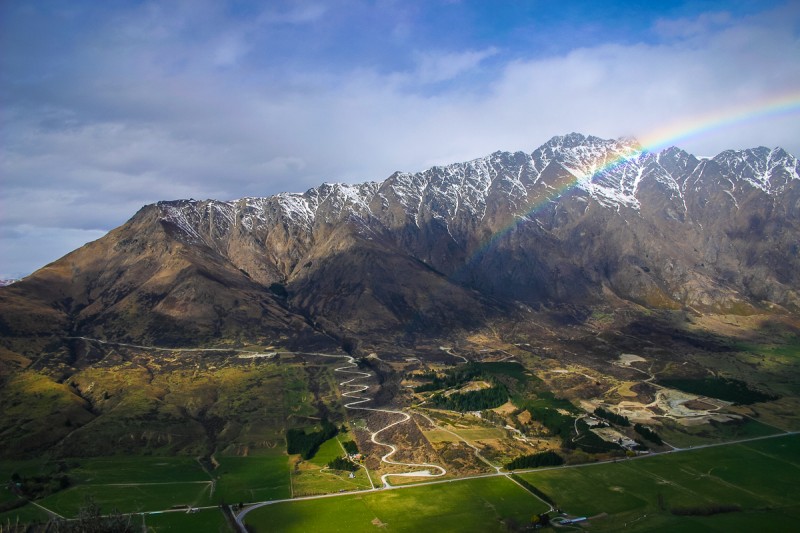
(575, 140)
(439, 249)
(762, 167)
(608, 170)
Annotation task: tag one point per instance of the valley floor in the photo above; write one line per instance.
(719, 464)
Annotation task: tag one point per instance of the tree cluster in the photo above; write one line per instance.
(730, 390)
(307, 444)
(350, 447)
(452, 377)
(541, 520)
(706, 510)
(547, 458)
(91, 520)
(647, 433)
(340, 463)
(557, 423)
(473, 400)
(590, 442)
(612, 417)
(39, 486)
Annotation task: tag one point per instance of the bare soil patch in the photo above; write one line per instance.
(698, 405)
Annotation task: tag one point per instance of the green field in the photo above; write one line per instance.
(296, 396)
(110, 470)
(313, 477)
(252, 479)
(760, 477)
(25, 515)
(326, 481)
(143, 484)
(128, 484)
(470, 505)
(130, 498)
(328, 451)
(715, 432)
(204, 521)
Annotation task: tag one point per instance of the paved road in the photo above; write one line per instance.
(253, 353)
(421, 469)
(358, 388)
(241, 515)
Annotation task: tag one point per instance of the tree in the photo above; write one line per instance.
(342, 464)
(648, 433)
(91, 520)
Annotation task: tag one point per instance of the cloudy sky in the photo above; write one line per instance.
(107, 106)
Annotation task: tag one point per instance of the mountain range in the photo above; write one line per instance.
(580, 223)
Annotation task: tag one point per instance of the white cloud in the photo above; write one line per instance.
(298, 14)
(435, 67)
(26, 245)
(229, 51)
(145, 114)
(700, 26)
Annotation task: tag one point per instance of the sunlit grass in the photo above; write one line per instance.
(470, 505)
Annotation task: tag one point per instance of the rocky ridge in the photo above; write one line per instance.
(580, 221)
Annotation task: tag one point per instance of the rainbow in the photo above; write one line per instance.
(657, 140)
(698, 125)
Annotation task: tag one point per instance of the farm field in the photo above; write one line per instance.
(128, 484)
(328, 451)
(129, 498)
(470, 505)
(142, 484)
(110, 470)
(753, 481)
(252, 479)
(759, 477)
(313, 477)
(204, 521)
(24, 515)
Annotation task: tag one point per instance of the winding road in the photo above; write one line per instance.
(426, 470)
(354, 394)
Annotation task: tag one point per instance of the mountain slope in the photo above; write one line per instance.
(580, 221)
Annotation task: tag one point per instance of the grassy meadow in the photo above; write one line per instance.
(470, 505)
(203, 521)
(639, 494)
(314, 477)
(252, 479)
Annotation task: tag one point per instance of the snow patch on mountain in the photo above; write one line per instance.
(610, 171)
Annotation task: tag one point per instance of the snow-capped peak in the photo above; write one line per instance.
(460, 195)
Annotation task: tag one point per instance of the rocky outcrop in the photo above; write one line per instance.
(452, 247)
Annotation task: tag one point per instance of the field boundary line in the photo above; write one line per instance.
(207, 482)
(529, 491)
(46, 510)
